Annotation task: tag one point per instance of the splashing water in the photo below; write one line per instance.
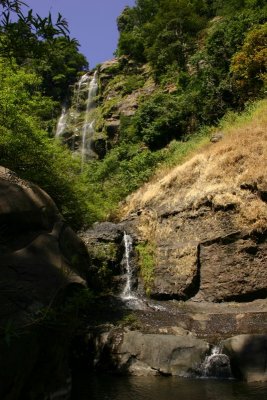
(217, 364)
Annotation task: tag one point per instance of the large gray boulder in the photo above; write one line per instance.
(142, 354)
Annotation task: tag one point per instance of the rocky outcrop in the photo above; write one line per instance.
(177, 338)
(136, 353)
(206, 221)
(105, 246)
(42, 262)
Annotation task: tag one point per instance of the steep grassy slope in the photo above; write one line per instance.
(232, 170)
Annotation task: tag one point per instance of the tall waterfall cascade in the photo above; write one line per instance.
(75, 126)
(88, 126)
(217, 364)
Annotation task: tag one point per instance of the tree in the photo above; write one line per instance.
(249, 65)
(26, 148)
(41, 44)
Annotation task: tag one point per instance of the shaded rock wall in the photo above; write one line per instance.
(106, 248)
(42, 262)
(248, 355)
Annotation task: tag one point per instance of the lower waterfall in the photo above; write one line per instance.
(127, 293)
(216, 365)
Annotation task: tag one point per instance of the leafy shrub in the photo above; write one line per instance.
(164, 117)
(27, 149)
(249, 65)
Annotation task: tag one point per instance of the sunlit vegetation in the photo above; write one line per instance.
(205, 59)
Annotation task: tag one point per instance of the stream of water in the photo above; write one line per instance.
(107, 387)
(61, 125)
(88, 126)
(127, 293)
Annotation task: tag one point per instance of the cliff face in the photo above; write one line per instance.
(206, 220)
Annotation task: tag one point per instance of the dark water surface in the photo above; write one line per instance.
(106, 387)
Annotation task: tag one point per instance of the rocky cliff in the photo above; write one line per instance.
(206, 220)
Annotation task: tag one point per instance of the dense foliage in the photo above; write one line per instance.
(213, 51)
(206, 57)
(41, 44)
(37, 64)
(203, 57)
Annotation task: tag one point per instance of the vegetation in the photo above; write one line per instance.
(146, 253)
(206, 58)
(203, 59)
(224, 173)
(34, 75)
(214, 52)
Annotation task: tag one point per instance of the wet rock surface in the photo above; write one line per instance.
(150, 354)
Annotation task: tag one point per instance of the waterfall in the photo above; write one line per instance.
(62, 122)
(217, 364)
(127, 293)
(88, 126)
(81, 81)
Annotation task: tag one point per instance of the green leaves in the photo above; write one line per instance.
(42, 44)
(249, 65)
(26, 149)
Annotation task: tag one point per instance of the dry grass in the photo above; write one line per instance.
(232, 171)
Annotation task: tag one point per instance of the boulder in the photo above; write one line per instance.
(137, 353)
(248, 356)
(42, 261)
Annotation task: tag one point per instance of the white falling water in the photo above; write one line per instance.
(88, 126)
(62, 122)
(83, 80)
(127, 293)
(217, 364)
